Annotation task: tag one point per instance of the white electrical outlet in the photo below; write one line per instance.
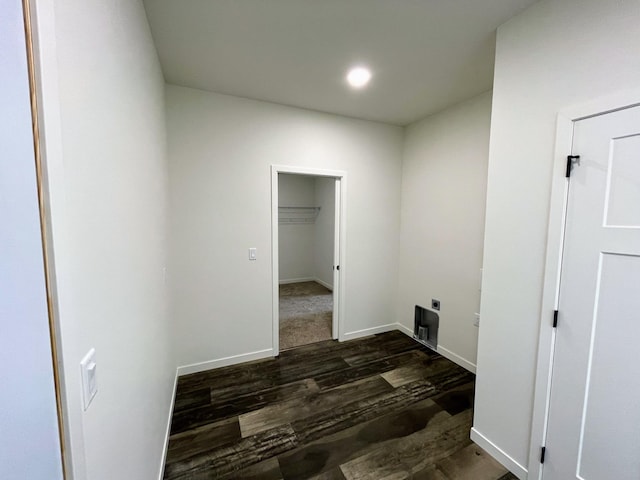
(89, 380)
(476, 319)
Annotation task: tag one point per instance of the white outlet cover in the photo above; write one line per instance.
(89, 380)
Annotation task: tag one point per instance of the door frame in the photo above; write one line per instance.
(34, 56)
(340, 222)
(553, 263)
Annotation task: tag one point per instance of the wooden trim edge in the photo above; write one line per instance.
(31, 67)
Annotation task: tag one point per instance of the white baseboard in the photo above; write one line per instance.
(296, 280)
(324, 284)
(287, 281)
(369, 331)
(454, 357)
(499, 454)
(224, 362)
(404, 329)
(445, 352)
(168, 431)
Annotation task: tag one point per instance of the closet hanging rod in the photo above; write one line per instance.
(303, 208)
(297, 215)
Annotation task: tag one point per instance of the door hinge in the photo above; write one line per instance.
(571, 159)
(555, 319)
(543, 451)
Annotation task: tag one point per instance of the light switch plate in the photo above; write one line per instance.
(253, 254)
(89, 380)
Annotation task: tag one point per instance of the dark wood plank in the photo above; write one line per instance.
(430, 472)
(334, 474)
(266, 470)
(374, 343)
(328, 453)
(311, 405)
(456, 400)
(225, 376)
(422, 368)
(508, 476)
(471, 463)
(395, 345)
(443, 374)
(380, 407)
(200, 440)
(231, 459)
(346, 416)
(355, 352)
(291, 372)
(192, 399)
(409, 455)
(302, 362)
(340, 377)
(229, 407)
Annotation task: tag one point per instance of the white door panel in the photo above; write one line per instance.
(594, 415)
(610, 414)
(336, 261)
(623, 184)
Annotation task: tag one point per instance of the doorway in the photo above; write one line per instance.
(33, 427)
(593, 414)
(307, 264)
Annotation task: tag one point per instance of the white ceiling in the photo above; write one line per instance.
(424, 54)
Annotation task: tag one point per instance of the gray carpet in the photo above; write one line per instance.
(306, 311)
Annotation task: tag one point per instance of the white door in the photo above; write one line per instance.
(594, 415)
(336, 261)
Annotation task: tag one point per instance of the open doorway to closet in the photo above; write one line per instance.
(305, 261)
(306, 256)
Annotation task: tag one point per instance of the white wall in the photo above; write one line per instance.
(325, 189)
(220, 151)
(29, 443)
(104, 126)
(305, 250)
(296, 242)
(554, 55)
(444, 173)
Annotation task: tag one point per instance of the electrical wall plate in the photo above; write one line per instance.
(435, 304)
(89, 380)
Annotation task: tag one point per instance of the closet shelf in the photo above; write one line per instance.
(297, 215)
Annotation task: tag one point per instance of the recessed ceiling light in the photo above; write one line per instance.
(358, 77)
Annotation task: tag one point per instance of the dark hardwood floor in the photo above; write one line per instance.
(381, 407)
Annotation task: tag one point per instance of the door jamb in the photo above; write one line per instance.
(555, 241)
(34, 65)
(339, 307)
